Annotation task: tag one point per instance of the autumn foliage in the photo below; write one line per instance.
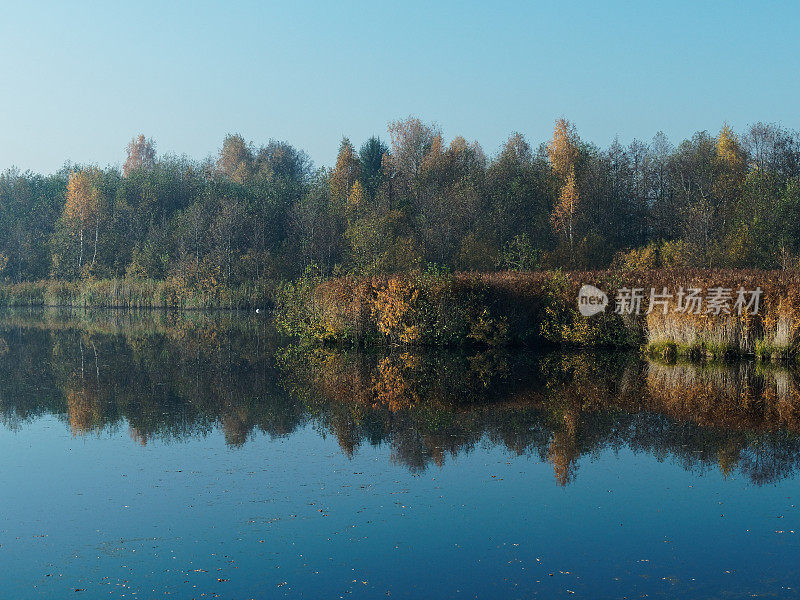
(541, 308)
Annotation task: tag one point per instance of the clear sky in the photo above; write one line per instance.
(79, 79)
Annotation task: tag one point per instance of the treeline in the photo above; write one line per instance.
(416, 202)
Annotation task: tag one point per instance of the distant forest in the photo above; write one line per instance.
(412, 202)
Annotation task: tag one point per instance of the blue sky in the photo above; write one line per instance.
(78, 80)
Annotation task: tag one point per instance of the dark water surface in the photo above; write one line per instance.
(196, 456)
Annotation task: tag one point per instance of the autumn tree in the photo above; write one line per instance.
(141, 154)
(356, 200)
(235, 159)
(345, 174)
(343, 181)
(562, 151)
(564, 212)
(731, 154)
(84, 207)
(731, 172)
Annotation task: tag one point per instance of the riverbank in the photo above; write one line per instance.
(541, 308)
(530, 309)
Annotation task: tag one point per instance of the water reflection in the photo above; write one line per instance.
(170, 377)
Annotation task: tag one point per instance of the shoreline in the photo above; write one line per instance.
(490, 309)
(541, 308)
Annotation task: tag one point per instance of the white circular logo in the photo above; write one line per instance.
(591, 300)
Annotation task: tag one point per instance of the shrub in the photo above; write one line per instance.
(535, 308)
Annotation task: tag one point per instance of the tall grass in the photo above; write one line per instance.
(772, 333)
(135, 293)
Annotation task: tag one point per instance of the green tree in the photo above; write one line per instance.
(371, 156)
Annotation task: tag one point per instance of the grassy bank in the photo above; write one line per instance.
(771, 334)
(541, 308)
(136, 293)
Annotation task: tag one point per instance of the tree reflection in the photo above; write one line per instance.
(170, 377)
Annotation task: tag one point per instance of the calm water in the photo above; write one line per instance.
(196, 456)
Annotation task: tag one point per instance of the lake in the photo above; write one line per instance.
(198, 455)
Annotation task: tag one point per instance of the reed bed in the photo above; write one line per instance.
(135, 293)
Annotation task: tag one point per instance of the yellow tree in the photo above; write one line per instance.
(729, 150)
(235, 158)
(562, 151)
(363, 230)
(729, 179)
(563, 216)
(141, 155)
(344, 175)
(357, 200)
(733, 166)
(83, 206)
